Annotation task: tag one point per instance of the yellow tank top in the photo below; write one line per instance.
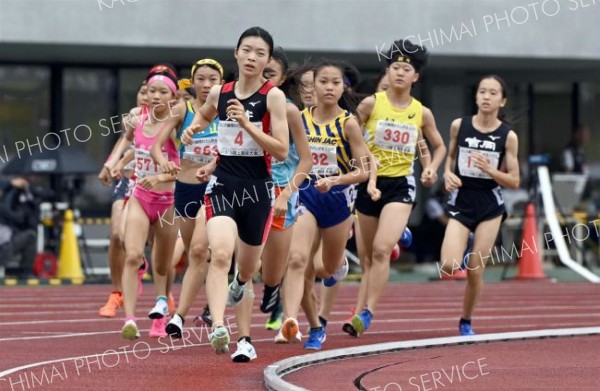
(392, 135)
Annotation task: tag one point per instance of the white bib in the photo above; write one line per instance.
(145, 165)
(396, 136)
(324, 159)
(235, 141)
(466, 165)
(202, 150)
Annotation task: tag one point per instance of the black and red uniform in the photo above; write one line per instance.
(241, 186)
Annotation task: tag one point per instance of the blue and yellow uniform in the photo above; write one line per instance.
(331, 156)
(190, 196)
(392, 135)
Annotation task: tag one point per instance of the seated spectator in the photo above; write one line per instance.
(17, 227)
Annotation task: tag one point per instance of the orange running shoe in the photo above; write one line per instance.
(115, 301)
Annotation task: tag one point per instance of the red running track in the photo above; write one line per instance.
(59, 324)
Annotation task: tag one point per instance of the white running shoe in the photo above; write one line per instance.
(235, 293)
(219, 340)
(130, 330)
(339, 275)
(175, 326)
(245, 352)
(161, 309)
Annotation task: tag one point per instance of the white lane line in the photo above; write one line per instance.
(273, 374)
(407, 320)
(398, 311)
(260, 326)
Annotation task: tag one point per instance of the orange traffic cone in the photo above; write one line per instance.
(530, 263)
(69, 266)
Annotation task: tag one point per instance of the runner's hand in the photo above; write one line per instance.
(186, 137)
(428, 177)
(373, 191)
(451, 181)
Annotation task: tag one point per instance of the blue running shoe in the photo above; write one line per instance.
(465, 329)
(362, 321)
(315, 339)
(339, 275)
(406, 238)
(467, 254)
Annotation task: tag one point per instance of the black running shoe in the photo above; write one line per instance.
(270, 299)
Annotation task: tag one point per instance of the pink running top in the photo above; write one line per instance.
(144, 164)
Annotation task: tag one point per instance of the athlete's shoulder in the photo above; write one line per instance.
(426, 113)
(455, 125)
(291, 109)
(274, 92)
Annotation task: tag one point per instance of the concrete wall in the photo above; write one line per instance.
(531, 28)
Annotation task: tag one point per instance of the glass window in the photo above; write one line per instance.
(552, 117)
(89, 101)
(24, 106)
(130, 81)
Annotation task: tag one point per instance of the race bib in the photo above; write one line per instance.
(202, 150)
(396, 136)
(466, 164)
(145, 165)
(324, 159)
(235, 141)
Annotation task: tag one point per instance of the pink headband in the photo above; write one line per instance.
(170, 83)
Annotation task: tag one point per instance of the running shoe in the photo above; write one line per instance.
(130, 330)
(349, 328)
(270, 300)
(219, 340)
(274, 321)
(280, 339)
(175, 326)
(160, 310)
(171, 304)
(465, 329)
(289, 329)
(141, 271)
(406, 238)
(236, 293)
(316, 338)
(339, 275)
(203, 319)
(115, 301)
(245, 352)
(362, 321)
(158, 328)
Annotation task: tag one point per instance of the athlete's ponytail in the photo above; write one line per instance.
(292, 86)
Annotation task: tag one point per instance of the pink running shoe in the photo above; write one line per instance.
(158, 328)
(141, 271)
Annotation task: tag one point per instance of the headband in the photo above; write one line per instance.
(207, 61)
(184, 83)
(170, 83)
(407, 60)
(162, 69)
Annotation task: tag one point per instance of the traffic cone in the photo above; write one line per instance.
(530, 263)
(69, 262)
